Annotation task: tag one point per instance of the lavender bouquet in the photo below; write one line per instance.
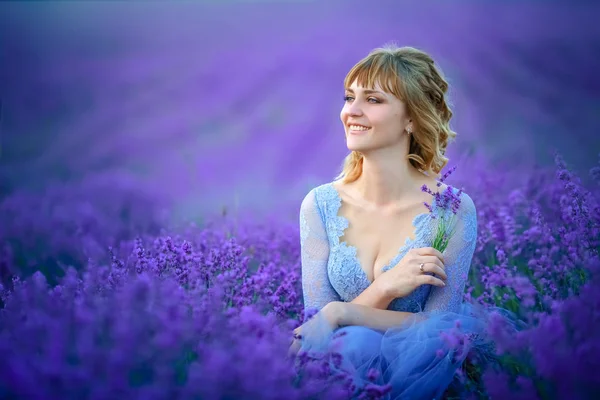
(448, 203)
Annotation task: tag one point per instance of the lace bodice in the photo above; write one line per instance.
(331, 270)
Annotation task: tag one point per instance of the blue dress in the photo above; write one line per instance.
(410, 358)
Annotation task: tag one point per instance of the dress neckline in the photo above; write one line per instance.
(343, 224)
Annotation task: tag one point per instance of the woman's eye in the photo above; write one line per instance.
(370, 99)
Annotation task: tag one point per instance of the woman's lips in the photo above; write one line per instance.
(358, 131)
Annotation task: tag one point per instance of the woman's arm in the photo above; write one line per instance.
(357, 314)
(373, 296)
(458, 256)
(337, 314)
(314, 254)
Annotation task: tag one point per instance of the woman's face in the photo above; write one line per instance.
(383, 114)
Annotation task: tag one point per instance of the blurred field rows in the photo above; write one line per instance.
(238, 103)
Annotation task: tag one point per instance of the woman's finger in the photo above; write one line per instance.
(430, 251)
(440, 272)
(433, 260)
(435, 269)
(432, 266)
(294, 348)
(430, 280)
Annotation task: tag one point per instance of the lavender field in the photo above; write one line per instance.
(153, 157)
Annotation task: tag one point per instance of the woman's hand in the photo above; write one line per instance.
(402, 279)
(332, 313)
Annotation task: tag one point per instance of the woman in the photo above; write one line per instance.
(382, 292)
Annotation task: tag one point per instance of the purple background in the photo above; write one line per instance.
(237, 104)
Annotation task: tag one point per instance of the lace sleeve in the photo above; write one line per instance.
(457, 257)
(314, 244)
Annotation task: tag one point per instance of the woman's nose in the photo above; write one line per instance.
(353, 110)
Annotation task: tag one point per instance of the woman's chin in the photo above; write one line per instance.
(356, 146)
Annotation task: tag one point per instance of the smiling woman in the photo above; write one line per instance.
(383, 293)
(396, 90)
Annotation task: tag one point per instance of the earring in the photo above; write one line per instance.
(408, 131)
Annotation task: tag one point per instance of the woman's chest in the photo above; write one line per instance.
(377, 237)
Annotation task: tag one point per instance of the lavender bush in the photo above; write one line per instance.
(207, 311)
(174, 319)
(68, 223)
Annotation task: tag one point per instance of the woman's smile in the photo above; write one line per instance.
(358, 129)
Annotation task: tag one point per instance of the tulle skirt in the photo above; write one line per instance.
(416, 360)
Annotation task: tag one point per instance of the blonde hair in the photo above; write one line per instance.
(412, 76)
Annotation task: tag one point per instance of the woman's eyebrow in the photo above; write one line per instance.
(366, 91)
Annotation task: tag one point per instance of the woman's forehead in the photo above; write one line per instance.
(363, 85)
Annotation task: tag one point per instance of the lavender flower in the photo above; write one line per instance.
(444, 202)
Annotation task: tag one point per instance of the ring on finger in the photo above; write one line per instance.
(421, 267)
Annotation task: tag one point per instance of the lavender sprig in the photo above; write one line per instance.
(445, 201)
